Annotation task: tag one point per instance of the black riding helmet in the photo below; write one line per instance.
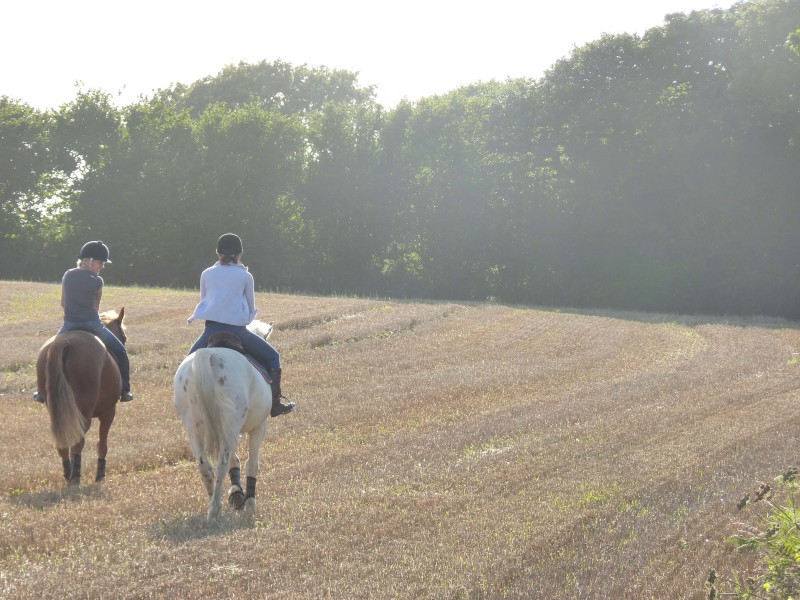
(96, 250)
(229, 244)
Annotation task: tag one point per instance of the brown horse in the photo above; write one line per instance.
(80, 381)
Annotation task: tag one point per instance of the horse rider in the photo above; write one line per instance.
(227, 303)
(81, 291)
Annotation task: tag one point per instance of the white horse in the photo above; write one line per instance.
(220, 395)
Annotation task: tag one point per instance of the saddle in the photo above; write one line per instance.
(225, 339)
(86, 329)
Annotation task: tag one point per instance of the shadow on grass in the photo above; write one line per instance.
(184, 529)
(50, 498)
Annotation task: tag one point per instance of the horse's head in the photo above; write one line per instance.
(113, 322)
(261, 328)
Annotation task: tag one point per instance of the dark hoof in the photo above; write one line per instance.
(236, 498)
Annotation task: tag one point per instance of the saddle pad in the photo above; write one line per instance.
(223, 339)
(260, 368)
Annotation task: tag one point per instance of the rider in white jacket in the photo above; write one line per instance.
(227, 303)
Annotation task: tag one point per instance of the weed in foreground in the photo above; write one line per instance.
(776, 542)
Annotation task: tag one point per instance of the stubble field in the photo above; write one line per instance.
(440, 450)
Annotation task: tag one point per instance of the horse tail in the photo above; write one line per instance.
(66, 421)
(215, 403)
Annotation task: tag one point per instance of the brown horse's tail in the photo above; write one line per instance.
(66, 421)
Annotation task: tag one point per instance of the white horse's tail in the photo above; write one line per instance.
(214, 388)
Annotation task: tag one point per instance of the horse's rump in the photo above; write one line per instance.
(80, 379)
(217, 390)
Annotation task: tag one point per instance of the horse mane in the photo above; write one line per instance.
(109, 315)
(261, 328)
(113, 319)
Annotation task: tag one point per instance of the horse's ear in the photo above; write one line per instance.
(121, 314)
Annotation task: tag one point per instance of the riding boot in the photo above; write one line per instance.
(125, 375)
(278, 408)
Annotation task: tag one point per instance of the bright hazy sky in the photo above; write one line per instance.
(406, 48)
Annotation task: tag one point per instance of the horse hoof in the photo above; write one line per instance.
(250, 504)
(236, 497)
(214, 511)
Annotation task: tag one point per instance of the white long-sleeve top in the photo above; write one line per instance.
(226, 295)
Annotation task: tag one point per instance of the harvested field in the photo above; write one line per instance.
(440, 450)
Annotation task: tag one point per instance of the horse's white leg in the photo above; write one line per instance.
(206, 473)
(215, 505)
(227, 457)
(195, 430)
(254, 439)
(196, 433)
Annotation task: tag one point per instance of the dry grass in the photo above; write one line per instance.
(439, 451)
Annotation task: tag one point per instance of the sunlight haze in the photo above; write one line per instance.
(412, 49)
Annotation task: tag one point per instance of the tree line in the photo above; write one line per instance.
(657, 172)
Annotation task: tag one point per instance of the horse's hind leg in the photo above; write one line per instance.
(215, 504)
(75, 451)
(66, 464)
(254, 439)
(206, 473)
(196, 431)
(236, 492)
(75, 477)
(102, 444)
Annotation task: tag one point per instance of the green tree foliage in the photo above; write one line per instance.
(343, 198)
(251, 164)
(655, 172)
(150, 173)
(277, 86)
(23, 163)
(31, 176)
